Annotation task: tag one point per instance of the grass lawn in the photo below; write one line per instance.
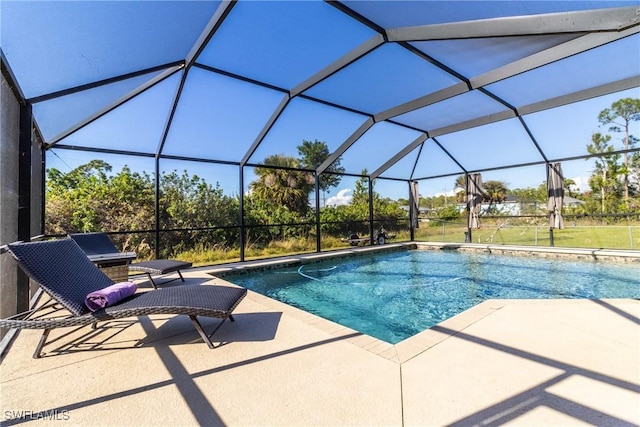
(589, 236)
(610, 237)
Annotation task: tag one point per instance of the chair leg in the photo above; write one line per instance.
(43, 339)
(152, 282)
(155, 285)
(205, 337)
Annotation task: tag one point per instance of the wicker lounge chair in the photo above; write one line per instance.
(101, 250)
(64, 272)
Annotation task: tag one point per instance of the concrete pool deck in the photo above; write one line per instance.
(518, 362)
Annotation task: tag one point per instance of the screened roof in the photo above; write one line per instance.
(403, 89)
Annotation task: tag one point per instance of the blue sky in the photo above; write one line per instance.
(282, 44)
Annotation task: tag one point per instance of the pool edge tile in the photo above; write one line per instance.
(423, 341)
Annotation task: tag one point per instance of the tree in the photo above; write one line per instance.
(312, 155)
(89, 199)
(604, 180)
(282, 184)
(572, 189)
(460, 188)
(494, 192)
(384, 209)
(189, 202)
(634, 181)
(531, 194)
(361, 192)
(350, 218)
(532, 199)
(93, 172)
(620, 115)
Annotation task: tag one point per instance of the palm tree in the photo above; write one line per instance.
(460, 188)
(282, 184)
(494, 192)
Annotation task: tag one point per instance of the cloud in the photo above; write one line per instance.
(448, 193)
(582, 182)
(342, 198)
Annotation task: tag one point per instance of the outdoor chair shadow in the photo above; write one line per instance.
(105, 337)
(172, 330)
(246, 327)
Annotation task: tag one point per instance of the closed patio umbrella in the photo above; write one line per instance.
(555, 190)
(474, 199)
(415, 201)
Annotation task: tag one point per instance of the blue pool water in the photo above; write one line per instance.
(392, 296)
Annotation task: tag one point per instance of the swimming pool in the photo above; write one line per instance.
(395, 295)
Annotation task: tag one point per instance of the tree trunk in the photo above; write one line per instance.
(626, 167)
(602, 188)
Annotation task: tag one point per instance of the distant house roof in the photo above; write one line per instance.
(571, 201)
(420, 209)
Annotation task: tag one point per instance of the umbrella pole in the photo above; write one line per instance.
(551, 237)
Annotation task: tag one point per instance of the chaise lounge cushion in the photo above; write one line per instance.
(205, 300)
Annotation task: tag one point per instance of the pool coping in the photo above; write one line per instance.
(421, 342)
(592, 254)
(400, 352)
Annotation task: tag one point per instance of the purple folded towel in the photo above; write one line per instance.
(110, 295)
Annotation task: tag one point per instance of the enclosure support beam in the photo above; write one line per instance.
(267, 127)
(613, 19)
(339, 64)
(467, 236)
(582, 95)
(157, 208)
(370, 211)
(24, 174)
(548, 56)
(412, 220)
(317, 192)
(345, 145)
(406, 150)
(241, 210)
(214, 23)
(24, 199)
